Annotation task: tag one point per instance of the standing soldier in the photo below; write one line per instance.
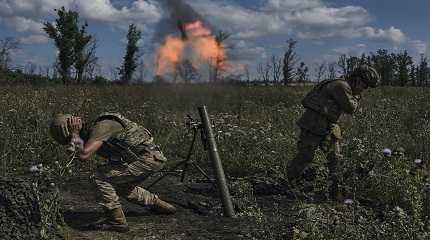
(324, 105)
(131, 156)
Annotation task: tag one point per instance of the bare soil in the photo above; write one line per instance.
(199, 214)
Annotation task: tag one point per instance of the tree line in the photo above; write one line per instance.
(77, 61)
(396, 69)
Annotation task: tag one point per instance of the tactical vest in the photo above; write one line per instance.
(131, 144)
(325, 105)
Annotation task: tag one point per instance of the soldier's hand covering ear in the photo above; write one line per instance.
(75, 124)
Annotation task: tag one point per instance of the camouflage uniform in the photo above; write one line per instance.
(324, 105)
(124, 170)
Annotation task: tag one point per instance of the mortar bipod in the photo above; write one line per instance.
(208, 140)
(197, 129)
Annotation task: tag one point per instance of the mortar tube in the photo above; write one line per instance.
(216, 163)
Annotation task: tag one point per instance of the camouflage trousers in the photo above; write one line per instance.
(307, 144)
(121, 180)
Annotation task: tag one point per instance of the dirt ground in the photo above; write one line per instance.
(199, 214)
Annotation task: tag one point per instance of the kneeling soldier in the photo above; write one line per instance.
(324, 105)
(131, 156)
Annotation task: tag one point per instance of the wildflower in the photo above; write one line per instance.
(398, 209)
(348, 201)
(56, 163)
(70, 171)
(387, 152)
(254, 138)
(40, 166)
(52, 184)
(418, 161)
(34, 169)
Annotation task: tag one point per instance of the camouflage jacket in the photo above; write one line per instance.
(130, 146)
(324, 104)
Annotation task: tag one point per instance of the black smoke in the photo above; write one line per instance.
(177, 14)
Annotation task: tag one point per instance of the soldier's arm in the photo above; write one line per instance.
(102, 131)
(89, 149)
(86, 150)
(345, 98)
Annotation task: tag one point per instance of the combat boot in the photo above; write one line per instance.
(114, 221)
(160, 206)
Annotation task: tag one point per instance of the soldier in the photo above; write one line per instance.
(131, 156)
(324, 105)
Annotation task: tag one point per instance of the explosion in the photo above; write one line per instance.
(203, 45)
(169, 55)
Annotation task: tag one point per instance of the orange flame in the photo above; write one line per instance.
(204, 46)
(169, 55)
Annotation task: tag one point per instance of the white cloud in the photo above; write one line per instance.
(419, 46)
(24, 14)
(308, 19)
(243, 22)
(21, 24)
(34, 39)
(356, 50)
(391, 34)
(248, 50)
(291, 4)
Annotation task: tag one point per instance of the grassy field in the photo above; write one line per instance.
(256, 134)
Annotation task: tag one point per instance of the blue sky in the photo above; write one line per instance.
(323, 28)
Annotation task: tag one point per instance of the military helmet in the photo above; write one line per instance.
(367, 74)
(59, 129)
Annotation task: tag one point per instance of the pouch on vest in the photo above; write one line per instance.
(313, 100)
(135, 153)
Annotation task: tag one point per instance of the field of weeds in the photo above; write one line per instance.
(256, 135)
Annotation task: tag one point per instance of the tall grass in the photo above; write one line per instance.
(255, 130)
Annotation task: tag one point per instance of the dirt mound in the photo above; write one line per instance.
(24, 213)
(19, 209)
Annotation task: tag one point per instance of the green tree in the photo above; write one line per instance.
(83, 53)
(132, 54)
(423, 71)
(413, 74)
(63, 33)
(403, 66)
(384, 64)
